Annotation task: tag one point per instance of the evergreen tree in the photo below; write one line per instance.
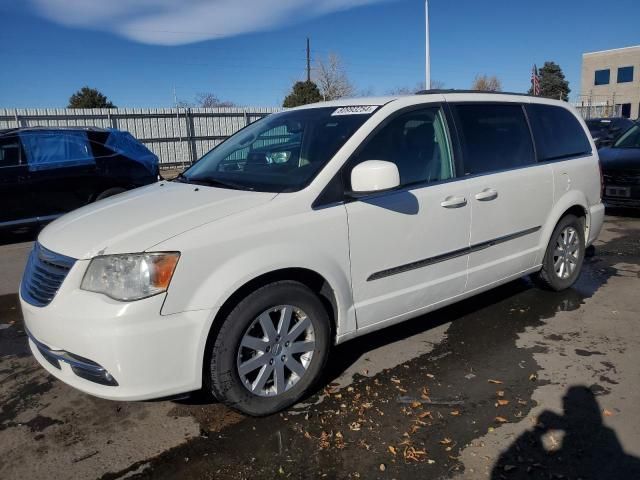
(302, 94)
(89, 98)
(552, 82)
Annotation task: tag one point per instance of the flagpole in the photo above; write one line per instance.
(427, 77)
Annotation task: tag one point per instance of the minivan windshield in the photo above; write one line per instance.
(280, 153)
(631, 139)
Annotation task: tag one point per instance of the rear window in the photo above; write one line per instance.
(494, 137)
(557, 132)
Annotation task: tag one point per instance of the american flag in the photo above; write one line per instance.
(535, 82)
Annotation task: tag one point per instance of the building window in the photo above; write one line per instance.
(625, 74)
(602, 77)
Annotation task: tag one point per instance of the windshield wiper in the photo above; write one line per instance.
(216, 182)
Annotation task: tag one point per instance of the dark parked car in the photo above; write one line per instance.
(605, 131)
(46, 172)
(621, 170)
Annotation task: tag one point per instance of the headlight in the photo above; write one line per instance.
(130, 276)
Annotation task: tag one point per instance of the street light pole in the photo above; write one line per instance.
(427, 78)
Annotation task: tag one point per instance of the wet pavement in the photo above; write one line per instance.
(514, 383)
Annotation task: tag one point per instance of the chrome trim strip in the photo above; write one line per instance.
(73, 361)
(449, 255)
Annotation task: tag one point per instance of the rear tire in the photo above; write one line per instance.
(270, 350)
(564, 256)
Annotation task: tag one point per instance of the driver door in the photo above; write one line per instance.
(409, 246)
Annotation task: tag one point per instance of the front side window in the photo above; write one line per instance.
(602, 77)
(557, 132)
(280, 153)
(625, 74)
(494, 137)
(50, 149)
(630, 139)
(417, 142)
(10, 151)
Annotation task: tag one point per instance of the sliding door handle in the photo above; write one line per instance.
(453, 202)
(486, 195)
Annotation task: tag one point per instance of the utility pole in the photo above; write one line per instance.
(308, 60)
(427, 78)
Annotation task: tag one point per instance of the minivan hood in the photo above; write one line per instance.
(139, 219)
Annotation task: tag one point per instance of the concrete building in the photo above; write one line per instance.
(611, 78)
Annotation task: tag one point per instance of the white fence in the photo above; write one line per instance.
(178, 136)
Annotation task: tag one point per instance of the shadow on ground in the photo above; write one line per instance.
(588, 449)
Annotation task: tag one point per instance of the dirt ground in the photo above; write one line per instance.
(514, 383)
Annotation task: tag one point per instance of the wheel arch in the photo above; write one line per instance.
(310, 278)
(574, 203)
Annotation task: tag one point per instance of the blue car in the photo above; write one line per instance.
(621, 170)
(47, 172)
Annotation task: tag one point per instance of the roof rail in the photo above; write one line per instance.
(453, 90)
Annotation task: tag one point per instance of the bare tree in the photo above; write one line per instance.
(209, 100)
(332, 79)
(486, 83)
(435, 85)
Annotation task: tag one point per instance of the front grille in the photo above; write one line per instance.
(624, 177)
(43, 275)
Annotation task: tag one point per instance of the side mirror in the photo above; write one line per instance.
(374, 176)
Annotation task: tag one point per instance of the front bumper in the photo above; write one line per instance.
(117, 350)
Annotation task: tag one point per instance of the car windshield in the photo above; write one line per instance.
(631, 139)
(280, 153)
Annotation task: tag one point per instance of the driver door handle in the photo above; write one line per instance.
(486, 195)
(453, 202)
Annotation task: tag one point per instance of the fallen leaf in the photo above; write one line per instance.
(445, 441)
(425, 414)
(355, 426)
(416, 404)
(382, 467)
(500, 393)
(431, 375)
(607, 413)
(431, 462)
(395, 380)
(392, 449)
(455, 413)
(502, 402)
(495, 382)
(501, 420)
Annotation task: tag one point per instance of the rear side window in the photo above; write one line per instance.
(557, 132)
(494, 137)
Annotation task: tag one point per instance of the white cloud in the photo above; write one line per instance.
(176, 22)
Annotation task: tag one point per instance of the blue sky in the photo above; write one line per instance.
(128, 50)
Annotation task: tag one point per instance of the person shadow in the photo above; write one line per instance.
(586, 449)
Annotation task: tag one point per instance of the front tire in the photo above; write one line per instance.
(564, 256)
(270, 350)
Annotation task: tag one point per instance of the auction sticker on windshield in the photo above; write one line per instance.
(355, 110)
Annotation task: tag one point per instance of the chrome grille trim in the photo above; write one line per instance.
(43, 275)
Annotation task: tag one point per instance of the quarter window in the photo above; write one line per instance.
(625, 74)
(494, 137)
(557, 133)
(417, 143)
(602, 77)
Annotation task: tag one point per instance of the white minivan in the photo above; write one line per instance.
(306, 229)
